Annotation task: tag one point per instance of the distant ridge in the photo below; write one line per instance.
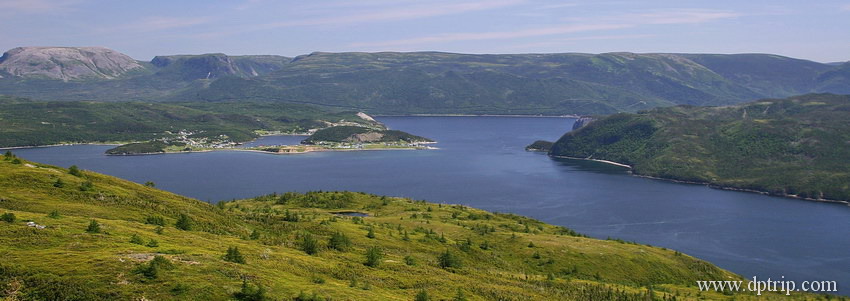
(402, 83)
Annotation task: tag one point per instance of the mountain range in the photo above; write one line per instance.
(421, 82)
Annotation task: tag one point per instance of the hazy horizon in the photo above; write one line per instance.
(811, 31)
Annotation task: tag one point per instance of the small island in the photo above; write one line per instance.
(334, 138)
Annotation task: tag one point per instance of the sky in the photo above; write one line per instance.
(813, 30)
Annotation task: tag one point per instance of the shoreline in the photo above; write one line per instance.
(276, 153)
(708, 184)
(480, 115)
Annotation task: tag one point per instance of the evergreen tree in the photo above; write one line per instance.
(448, 260)
(8, 155)
(371, 233)
(59, 183)
(233, 255)
(183, 222)
(93, 227)
(373, 256)
(16, 161)
(409, 260)
(251, 292)
(150, 184)
(339, 241)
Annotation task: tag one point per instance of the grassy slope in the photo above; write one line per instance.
(794, 146)
(63, 261)
(27, 123)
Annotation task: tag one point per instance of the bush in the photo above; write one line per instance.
(251, 292)
(150, 184)
(59, 183)
(339, 241)
(448, 260)
(93, 227)
(136, 239)
(183, 223)
(422, 296)
(87, 186)
(233, 255)
(75, 171)
(409, 260)
(155, 220)
(8, 217)
(371, 233)
(16, 161)
(309, 244)
(54, 214)
(153, 243)
(373, 256)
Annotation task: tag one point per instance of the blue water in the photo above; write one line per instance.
(481, 162)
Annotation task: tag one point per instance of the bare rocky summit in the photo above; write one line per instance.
(67, 63)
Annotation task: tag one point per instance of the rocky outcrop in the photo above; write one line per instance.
(367, 137)
(582, 121)
(67, 63)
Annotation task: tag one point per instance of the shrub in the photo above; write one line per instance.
(16, 161)
(251, 292)
(8, 155)
(309, 244)
(233, 255)
(255, 235)
(54, 214)
(373, 256)
(136, 239)
(409, 260)
(339, 241)
(8, 217)
(87, 186)
(150, 184)
(422, 296)
(93, 227)
(448, 260)
(59, 183)
(152, 243)
(155, 220)
(371, 233)
(75, 171)
(183, 223)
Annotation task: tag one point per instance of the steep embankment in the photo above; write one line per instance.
(99, 237)
(798, 146)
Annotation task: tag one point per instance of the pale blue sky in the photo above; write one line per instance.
(815, 30)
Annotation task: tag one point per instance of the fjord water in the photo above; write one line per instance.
(481, 163)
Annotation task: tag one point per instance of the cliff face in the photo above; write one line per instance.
(582, 121)
(67, 63)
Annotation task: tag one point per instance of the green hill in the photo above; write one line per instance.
(27, 123)
(355, 134)
(440, 83)
(790, 147)
(108, 239)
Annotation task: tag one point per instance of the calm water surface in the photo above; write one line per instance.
(481, 163)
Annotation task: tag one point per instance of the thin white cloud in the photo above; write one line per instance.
(665, 17)
(567, 41)
(845, 7)
(164, 23)
(35, 6)
(474, 36)
(394, 14)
